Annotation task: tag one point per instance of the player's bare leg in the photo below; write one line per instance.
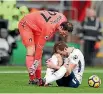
(27, 37)
(31, 63)
(38, 55)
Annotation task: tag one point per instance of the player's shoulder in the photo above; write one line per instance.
(60, 14)
(54, 58)
(76, 52)
(56, 55)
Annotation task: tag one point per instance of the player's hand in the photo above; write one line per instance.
(49, 64)
(49, 60)
(66, 74)
(66, 65)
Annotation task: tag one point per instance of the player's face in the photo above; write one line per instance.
(63, 53)
(63, 33)
(4, 33)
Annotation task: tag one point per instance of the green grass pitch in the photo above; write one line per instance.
(14, 79)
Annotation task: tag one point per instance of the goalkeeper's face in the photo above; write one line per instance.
(63, 32)
(65, 28)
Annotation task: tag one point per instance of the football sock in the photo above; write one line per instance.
(31, 77)
(38, 74)
(29, 63)
(56, 75)
(38, 71)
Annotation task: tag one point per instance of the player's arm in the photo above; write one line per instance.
(54, 64)
(70, 68)
(54, 61)
(73, 61)
(50, 63)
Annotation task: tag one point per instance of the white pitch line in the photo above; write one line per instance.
(51, 93)
(86, 71)
(13, 72)
(93, 71)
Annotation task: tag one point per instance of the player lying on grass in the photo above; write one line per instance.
(68, 71)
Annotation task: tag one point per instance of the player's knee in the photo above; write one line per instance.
(30, 50)
(76, 86)
(74, 83)
(61, 72)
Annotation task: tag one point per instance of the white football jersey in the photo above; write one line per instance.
(76, 57)
(50, 71)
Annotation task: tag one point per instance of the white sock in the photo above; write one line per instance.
(56, 75)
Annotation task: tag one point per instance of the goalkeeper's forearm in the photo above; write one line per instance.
(56, 75)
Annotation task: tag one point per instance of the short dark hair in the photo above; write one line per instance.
(60, 45)
(67, 26)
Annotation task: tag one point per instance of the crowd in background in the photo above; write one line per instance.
(9, 18)
(9, 12)
(88, 32)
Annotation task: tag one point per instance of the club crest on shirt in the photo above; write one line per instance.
(46, 37)
(75, 57)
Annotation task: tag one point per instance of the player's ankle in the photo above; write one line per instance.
(46, 85)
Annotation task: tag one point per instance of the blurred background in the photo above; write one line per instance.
(86, 16)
